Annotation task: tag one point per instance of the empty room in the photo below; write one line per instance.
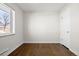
(39, 29)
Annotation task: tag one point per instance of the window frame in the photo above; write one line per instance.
(12, 21)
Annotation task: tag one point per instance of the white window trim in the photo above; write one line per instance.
(6, 34)
(13, 23)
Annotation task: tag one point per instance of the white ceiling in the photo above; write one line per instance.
(41, 6)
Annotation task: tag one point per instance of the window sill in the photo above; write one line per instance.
(6, 34)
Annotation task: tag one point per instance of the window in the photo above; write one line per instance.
(7, 20)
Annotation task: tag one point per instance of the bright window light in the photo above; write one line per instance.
(7, 20)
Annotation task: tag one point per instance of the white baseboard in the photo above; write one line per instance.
(75, 52)
(40, 42)
(11, 50)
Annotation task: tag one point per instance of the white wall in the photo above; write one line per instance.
(41, 27)
(65, 27)
(75, 28)
(72, 10)
(13, 41)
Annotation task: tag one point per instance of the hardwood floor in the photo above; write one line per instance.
(42, 49)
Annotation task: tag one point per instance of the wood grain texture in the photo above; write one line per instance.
(42, 49)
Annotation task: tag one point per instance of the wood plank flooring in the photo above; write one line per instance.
(42, 49)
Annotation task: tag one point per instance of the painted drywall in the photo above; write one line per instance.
(11, 42)
(65, 27)
(41, 27)
(72, 12)
(75, 28)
